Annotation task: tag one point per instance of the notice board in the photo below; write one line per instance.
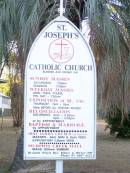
(60, 95)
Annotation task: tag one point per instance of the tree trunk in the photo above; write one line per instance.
(18, 162)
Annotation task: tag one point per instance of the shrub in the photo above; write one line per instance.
(118, 126)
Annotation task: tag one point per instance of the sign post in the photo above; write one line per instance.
(59, 163)
(59, 166)
(60, 96)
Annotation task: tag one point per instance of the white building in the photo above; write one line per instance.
(5, 104)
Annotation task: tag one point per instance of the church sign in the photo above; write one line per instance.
(60, 95)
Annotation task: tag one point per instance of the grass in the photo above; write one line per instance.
(113, 155)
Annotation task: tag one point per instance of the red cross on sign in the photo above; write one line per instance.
(61, 50)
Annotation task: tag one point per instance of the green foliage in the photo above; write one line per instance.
(5, 89)
(119, 125)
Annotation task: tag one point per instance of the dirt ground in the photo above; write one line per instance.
(113, 155)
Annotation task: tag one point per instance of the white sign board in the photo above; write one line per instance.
(60, 95)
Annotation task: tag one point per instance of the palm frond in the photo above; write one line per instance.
(29, 14)
(110, 43)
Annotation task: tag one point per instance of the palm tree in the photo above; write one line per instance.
(22, 20)
(109, 23)
(110, 43)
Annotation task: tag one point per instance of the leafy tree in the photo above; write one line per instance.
(5, 89)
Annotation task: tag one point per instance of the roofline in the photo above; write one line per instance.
(3, 81)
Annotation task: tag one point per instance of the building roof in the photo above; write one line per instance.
(4, 95)
(2, 81)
